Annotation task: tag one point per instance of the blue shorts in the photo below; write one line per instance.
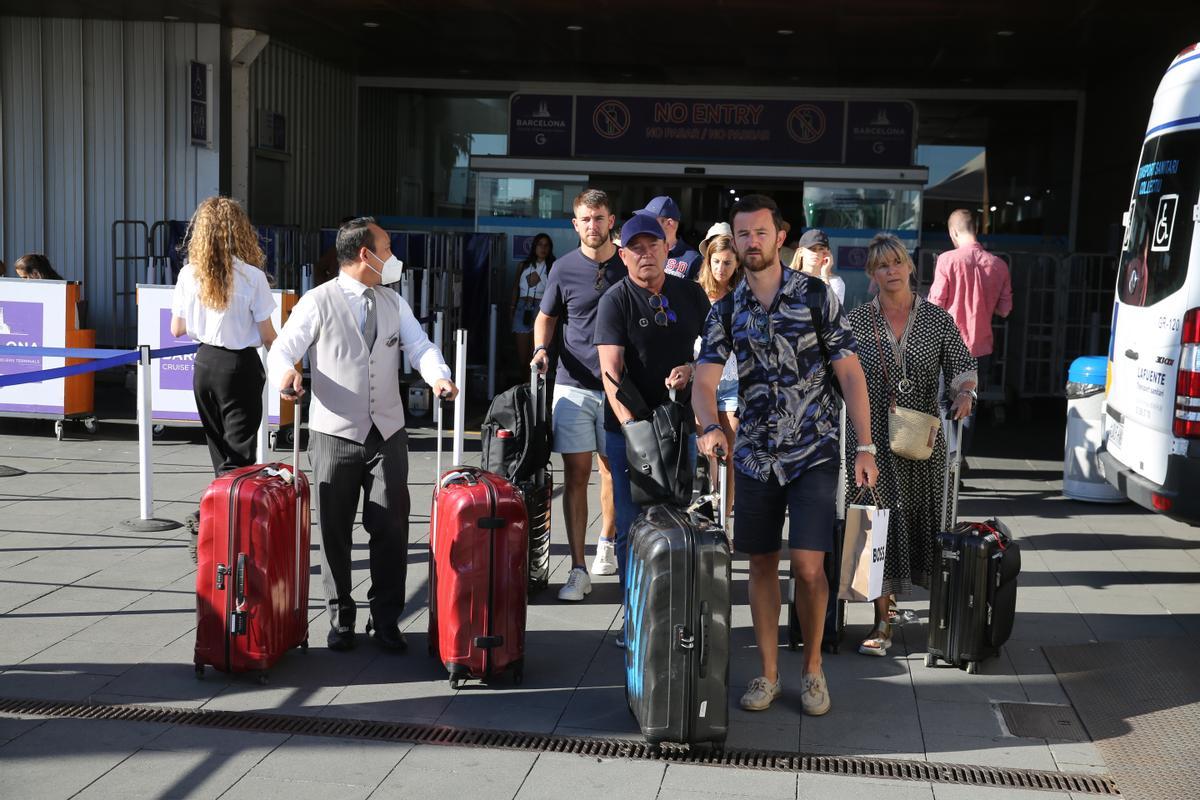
(808, 501)
(727, 397)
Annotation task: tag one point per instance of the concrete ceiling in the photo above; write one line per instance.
(1017, 44)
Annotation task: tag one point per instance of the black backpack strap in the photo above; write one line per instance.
(814, 298)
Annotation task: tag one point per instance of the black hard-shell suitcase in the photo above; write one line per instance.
(973, 590)
(677, 626)
(835, 610)
(538, 493)
(516, 445)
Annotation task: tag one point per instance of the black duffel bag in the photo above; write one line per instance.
(656, 447)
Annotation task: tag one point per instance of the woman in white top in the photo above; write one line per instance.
(720, 273)
(527, 293)
(222, 301)
(813, 257)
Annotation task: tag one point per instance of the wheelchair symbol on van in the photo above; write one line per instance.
(1164, 223)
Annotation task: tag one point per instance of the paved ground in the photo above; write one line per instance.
(91, 610)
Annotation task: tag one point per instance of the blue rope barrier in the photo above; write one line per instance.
(167, 352)
(61, 352)
(37, 376)
(102, 359)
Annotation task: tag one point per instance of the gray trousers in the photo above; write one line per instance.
(378, 469)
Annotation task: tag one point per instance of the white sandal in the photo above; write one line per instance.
(878, 640)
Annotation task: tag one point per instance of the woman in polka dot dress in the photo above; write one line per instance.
(921, 345)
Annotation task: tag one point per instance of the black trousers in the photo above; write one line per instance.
(228, 385)
(378, 470)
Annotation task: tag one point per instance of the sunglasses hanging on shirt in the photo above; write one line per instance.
(663, 315)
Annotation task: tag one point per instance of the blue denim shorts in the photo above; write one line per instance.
(727, 397)
(808, 502)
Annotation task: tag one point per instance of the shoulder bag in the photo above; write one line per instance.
(911, 433)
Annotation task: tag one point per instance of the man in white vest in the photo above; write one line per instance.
(353, 329)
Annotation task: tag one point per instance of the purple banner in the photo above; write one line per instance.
(521, 246)
(880, 133)
(539, 125)
(786, 131)
(174, 372)
(20, 326)
(851, 257)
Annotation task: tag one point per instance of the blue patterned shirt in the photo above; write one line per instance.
(789, 419)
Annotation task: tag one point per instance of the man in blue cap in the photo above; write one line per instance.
(646, 326)
(683, 260)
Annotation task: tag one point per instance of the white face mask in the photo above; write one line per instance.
(392, 268)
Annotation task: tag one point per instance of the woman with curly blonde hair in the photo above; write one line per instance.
(222, 300)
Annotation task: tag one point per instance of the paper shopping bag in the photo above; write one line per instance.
(864, 551)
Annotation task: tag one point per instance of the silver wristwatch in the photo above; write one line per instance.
(866, 448)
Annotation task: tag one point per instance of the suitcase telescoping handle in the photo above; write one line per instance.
(439, 411)
(537, 387)
(289, 392)
(953, 468)
(717, 498)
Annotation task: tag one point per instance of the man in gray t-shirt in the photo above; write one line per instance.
(573, 289)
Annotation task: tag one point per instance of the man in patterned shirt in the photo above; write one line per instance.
(786, 455)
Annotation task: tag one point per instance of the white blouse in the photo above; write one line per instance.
(234, 328)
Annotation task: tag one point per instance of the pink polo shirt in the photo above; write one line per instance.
(972, 284)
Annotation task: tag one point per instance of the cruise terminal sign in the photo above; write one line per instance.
(856, 132)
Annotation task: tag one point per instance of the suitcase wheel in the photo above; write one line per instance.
(972, 667)
(518, 670)
(199, 671)
(304, 645)
(930, 660)
(263, 678)
(456, 681)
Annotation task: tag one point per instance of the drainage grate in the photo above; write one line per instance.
(1042, 721)
(965, 774)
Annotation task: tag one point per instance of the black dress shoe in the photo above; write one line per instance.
(340, 639)
(388, 637)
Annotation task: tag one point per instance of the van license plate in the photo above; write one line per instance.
(1116, 431)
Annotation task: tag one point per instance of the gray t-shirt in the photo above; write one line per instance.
(572, 296)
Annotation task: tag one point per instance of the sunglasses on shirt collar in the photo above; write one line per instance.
(663, 315)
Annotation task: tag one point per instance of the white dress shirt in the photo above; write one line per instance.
(236, 326)
(354, 387)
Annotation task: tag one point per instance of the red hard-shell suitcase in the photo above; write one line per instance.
(479, 540)
(252, 568)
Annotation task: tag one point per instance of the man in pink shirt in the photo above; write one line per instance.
(971, 284)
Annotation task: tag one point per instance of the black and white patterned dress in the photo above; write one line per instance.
(933, 348)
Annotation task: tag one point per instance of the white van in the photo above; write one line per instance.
(1151, 445)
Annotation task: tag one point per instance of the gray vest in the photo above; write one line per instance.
(353, 389)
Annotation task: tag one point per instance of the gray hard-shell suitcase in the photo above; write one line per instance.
(677, 625)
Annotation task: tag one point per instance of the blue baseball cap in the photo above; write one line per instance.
(661, 206)
(641, 223)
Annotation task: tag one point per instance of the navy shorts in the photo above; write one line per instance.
(808, 501)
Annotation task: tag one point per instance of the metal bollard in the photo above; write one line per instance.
(147, 521)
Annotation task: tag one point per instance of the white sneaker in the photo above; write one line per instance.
(577, 587)
(605, 562)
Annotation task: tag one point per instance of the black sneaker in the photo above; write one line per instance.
(388, 637)
(340, 639)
